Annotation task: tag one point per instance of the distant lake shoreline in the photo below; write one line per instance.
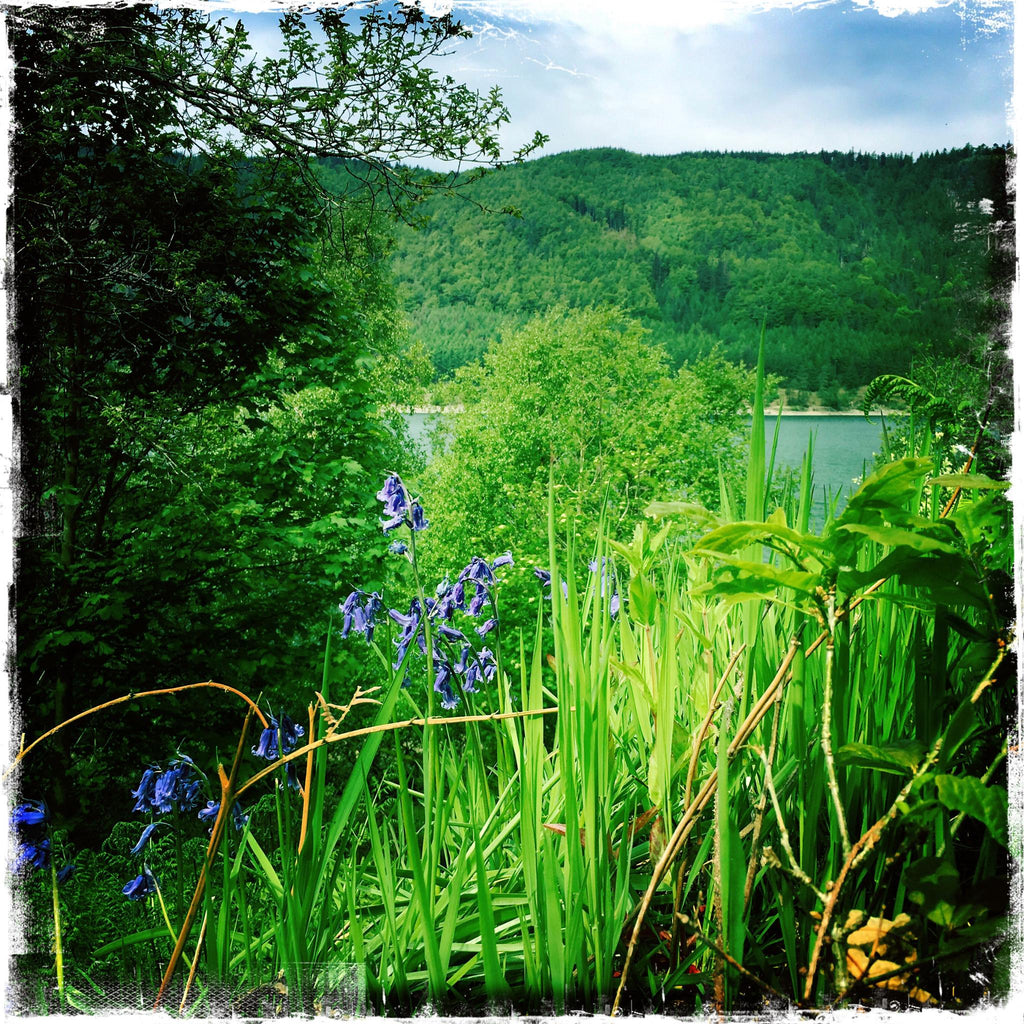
(453, 410)
(845, 445)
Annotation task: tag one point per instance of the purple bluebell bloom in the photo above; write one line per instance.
(144, 792)
(449, 633)
(449, 700)
(487, 627)
(613, 605)
(140, 887)
(29, 814)
(459, 668)
(290, 731)
(209, 814)
(35, 854)
(396, 503)
(505, 559)
(481, 670)
(398, 547)
(65, 873)
(360, 617)
(165, 791)
(143, 839)
(479, 599)
(544, 576)
(419, 520)
(478, 570)
(347, 610)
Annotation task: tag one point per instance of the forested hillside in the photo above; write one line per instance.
(860, 263)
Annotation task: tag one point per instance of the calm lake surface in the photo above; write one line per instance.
(843, 447)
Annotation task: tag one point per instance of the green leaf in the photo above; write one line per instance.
(933, 884)
(898, 758)
(893, 536)
(146, 935)
(971, 482)
(643, 600)
(889, 489)
(971, 796)
(735, 536)
(762, 578)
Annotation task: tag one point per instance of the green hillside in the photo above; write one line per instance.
(860, 263)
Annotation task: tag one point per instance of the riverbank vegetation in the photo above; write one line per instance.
(581, 714)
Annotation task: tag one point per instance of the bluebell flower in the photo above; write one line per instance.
(449, 700)
(450, 633)
(65, 873)
(267, 745)
(544, 576)
(143, 839)
(35, 854)
(505, 559)
(486, 627)
(442, 670)
(165, 791)
(479, 599)
(459, 668)
(29, 814)
(360, 617)
(347, 609)
(419, 520)
(481, 670)
(398, 547)
(188, 794)
(209, 814)
(478, 570)
(140, 887)
(290, 731)
(410, 627)
(396, 503)
(144, 792)
(613, 606)
(409, 622)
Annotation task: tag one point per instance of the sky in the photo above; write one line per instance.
(779, 75)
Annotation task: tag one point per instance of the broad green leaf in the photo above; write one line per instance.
(761, 574)
(890, 488)
(893, 536)
(961, 727)
(734, 536)
(897, 758)
(970, 481)
(986, 803)
(643, 600)
(933, 884)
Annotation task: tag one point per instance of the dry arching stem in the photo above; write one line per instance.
(209, 684)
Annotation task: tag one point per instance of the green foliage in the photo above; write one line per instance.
(208, 339)
(581, 398)
(862, 264)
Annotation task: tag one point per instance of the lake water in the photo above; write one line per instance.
(843, 447)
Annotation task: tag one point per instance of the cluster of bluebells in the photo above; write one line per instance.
(457, 663)
(288, 732)
(398, 509)
(161, 790)
(177, 787)
(30, 821)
